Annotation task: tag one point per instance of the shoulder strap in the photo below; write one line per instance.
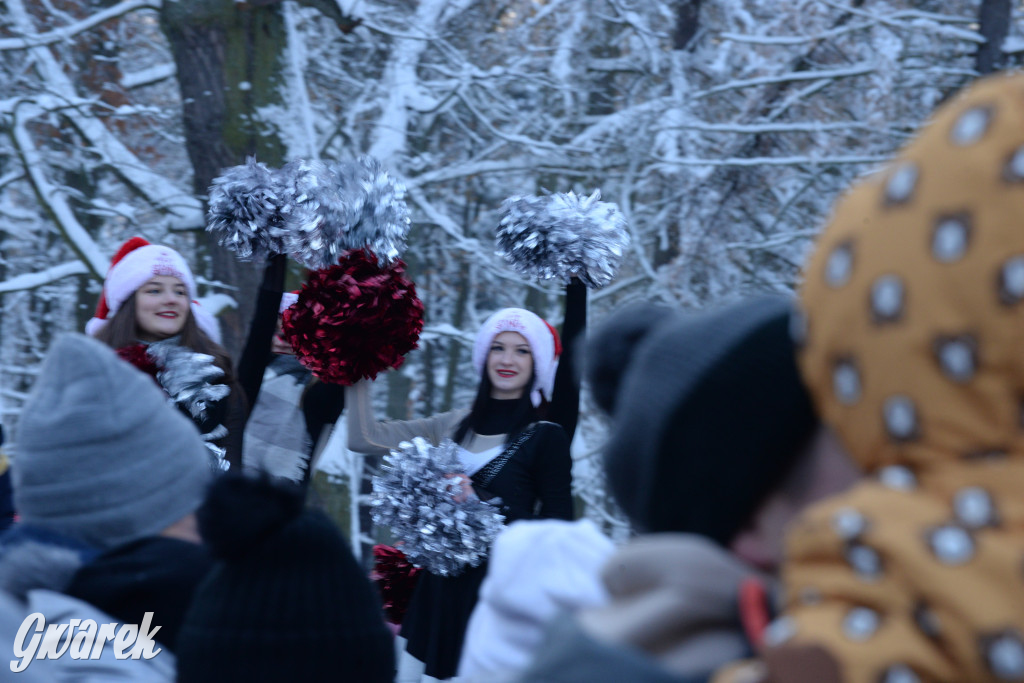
(488, 472)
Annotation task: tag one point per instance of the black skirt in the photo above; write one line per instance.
(439, 610)
(436, 620)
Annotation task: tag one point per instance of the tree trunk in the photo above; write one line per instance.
(228, 57)
(993, 24)
(687, 23)
(454, 347)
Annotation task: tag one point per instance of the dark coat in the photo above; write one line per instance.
(154, 574)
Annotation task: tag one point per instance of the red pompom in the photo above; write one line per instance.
(137, 356)
(395, 578)
(354, 320)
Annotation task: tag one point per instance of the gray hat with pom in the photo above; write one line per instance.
(102, 456)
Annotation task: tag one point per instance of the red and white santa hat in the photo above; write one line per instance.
(287, 299)
(542, 338)
(131, 267)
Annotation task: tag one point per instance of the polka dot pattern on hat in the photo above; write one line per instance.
(1005, 655)
(897, 477)
(975, 508)
(914, 297)
(887, 298)
(865, 560)
(902, 182)
(839, 266)
(1014, 170)
(860, 623)
(970, 126)
(950, 238)
(846, 381)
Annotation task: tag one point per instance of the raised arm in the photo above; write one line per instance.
(256, 354)
(565, 400)
(367, 434)
(322, 404)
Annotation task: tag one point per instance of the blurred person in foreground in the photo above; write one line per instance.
(537, 570)
(286, 601)
(714, 449)
(106, 481)
(912, 350)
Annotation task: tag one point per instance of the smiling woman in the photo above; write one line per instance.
(509, 365)
(160, 307)
(148, 313)
(506, 449)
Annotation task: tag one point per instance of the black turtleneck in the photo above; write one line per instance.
(499, 416)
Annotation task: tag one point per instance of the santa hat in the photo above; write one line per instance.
(287, 299)
(131, 267)
(542, 338)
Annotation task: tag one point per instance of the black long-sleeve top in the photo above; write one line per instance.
(565, 400)
(256, 354)
(321, 403)
(536, 482)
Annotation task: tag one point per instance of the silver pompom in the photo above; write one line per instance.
(318, 211)
(185, 375)
(333, 208)
(560, 236)
(414, 496)
(245, 211)
(384, 216)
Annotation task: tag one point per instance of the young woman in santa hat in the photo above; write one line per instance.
(148, 313)
(507, 451)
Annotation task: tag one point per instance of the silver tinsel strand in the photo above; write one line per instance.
(185, 375)
(218, 455)
(414, 498)
(245, 211)
(560, 236)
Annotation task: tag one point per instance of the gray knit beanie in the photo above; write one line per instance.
(102, 457)
(709, 412)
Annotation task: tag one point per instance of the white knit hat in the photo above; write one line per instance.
(541, 337)
(131, 267)
(537, 568)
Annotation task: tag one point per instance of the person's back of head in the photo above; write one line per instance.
(287, 599)
(709, 416)
(102, 458)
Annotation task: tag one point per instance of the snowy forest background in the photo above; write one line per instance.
(723, 129)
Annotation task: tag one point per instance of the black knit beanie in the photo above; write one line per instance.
(709, 412)
(286, 602)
